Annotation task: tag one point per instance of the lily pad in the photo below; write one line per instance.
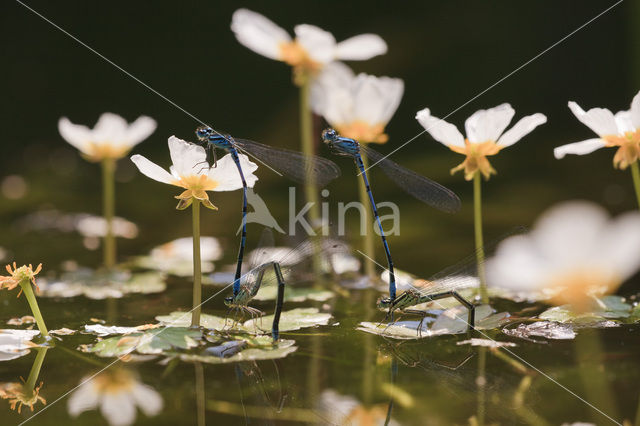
(451, 321)
(294, 319)
(608, 308)
(102, 285)
(260, 348)
(546, 329)
(294, 294)
(151, 342)
(103, 330)
(16, 343)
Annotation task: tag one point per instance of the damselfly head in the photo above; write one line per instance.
(203, 132)
(384, 303)
(329, 135)
(228, 301)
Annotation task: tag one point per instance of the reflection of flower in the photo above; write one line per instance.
(484, 135)
(111, 138)
(574, 254)
(117, 393)
(346, 410)
(191, 172)
(18, 395)
(312, 48)
(18, 275)
(358, 107)
(621, 130)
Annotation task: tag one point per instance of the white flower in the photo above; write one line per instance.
(16, 343)
(312, 48)
(621, 130)
(358, 107)
(111, 138)
(117, 393)
(485, 135)
(181, 250)
(574, 253)
(191, 172)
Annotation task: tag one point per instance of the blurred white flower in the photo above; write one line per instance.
(111, 138)
(191, 172)
(621, 130)
(358, 107)
(312, 48)
(574, 254)
(340, 409)
(485, 135)
(117, 393)
(16, 343)
(96, 226)
(182, 249)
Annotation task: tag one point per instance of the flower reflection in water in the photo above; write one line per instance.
(117, 392)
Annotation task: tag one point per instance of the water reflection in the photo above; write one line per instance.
(26, 393)
(116, 392)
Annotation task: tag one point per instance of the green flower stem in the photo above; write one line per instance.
(367, 238)
(35, 368)
(306, 138)
(108, 209)
(200, 396)
(635, 172)
(477, 222)
(27, 289)
(197, 272)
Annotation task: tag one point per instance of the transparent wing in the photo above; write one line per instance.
(292, 164)
(420, 187)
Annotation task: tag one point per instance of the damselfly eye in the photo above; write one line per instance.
(328, 135)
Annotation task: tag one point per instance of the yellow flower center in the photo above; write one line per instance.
(98, 151)
(196, 187)
(120, 381)
(578, 288)
(629, 148)
(363, 132)
(18, 275)
(295, 55)
(18, 395)
(476, 160)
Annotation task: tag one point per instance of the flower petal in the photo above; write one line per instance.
(624, 122)
(376, 98)
(445, 133)
(318, 43)
(227, 176)
(84, 398)
(118, 409)
(488, 124)
(361, 47)
(517, 265)
(149, 401)
(521, 128)
(621, 244)
(258, 33)
(76, 134)
(635, 111)
(330, 93)
(600, 120)
(139, 130)
(579, 148)
(152, 170)
(188, 158)
(110, 128)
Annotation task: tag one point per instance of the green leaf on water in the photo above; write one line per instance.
(183, 319)
(155, 341)
(608, 308)
(451, 321)
(260, 348)
(294, 294)
(294, 319)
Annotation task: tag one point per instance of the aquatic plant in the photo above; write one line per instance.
(188, 172)
(358, 107)
(575, 254)
(110, 139)
(621, 130)
(486, 136)
(24, 277)
(309, 53)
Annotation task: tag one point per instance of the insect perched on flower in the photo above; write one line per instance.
(191, 172)
(312, 49)
(486, 136)
(358, 107)
(19, 275)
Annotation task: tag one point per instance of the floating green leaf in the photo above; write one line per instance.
(155, 341)
(608, 308)
(294, 319)
(183, 319)
(261, 348)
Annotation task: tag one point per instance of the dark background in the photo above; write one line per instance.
(446, 52)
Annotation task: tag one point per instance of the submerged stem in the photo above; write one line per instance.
(367, 238)
(27, 289)
(477, 222)
(108, 209)
(197, 272)
(35, 368)
(635, 173)
(306, 138)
